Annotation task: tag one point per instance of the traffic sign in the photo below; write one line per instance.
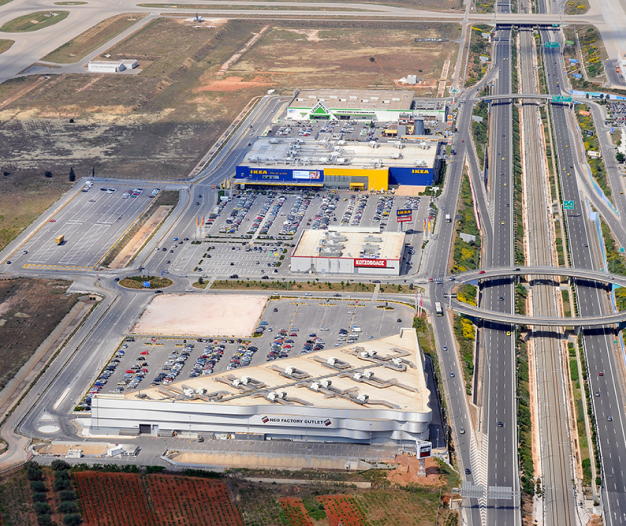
(561, 98)
(568, 205)
(454, 90)
(621, 249)
(552, 45)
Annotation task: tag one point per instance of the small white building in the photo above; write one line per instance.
(112, 66)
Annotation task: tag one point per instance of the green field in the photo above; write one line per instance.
(5, 45)
(34, 21)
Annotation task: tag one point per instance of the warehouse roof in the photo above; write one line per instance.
(321, 243)
(353, 99)
(385, 373)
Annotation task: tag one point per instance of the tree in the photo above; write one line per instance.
(200, 280)
(48, 173)
(58, 464)
(620, 157)
(72, 175)
(586, 95)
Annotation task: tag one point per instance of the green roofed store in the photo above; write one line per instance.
(377, 105)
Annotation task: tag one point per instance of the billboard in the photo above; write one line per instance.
(404, 215)
(375, 263)
(307, 174)
(424, 449)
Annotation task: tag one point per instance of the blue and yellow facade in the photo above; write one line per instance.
(372, 179)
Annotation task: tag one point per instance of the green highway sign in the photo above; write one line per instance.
(569, 42)
(621, 250)
(568, 205)
(552, 45)
(561, 98)
(566, 99)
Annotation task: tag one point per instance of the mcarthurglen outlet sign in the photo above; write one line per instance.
(289, 421)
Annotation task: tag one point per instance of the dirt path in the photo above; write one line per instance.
(137, 241)
(237, 56)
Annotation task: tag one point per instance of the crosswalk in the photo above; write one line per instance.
(479, 460)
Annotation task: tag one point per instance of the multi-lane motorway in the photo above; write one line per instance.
(598, 343)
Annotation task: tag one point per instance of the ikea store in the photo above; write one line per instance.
(372, 166)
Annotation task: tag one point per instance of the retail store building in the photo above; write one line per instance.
(348, 250)
(369, 166)
(371, 393)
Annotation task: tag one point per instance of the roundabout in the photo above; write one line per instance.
(517, 319)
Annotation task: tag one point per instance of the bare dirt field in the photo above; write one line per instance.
(233, 315)
(29, 310)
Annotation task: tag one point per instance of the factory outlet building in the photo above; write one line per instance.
(371, 393)
(348, 250)
(371, 166)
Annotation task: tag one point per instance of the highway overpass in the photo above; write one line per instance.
(517, 319)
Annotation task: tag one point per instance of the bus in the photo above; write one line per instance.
(438, 308)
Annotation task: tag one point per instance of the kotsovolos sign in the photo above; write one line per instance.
(376, 263)
(291, 421)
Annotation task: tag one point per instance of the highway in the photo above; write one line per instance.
(499, 390)
(600, 352)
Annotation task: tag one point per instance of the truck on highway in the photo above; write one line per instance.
(448, 218)
(60, 239)
(438, 308)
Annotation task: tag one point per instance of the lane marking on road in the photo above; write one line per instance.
(61, 398)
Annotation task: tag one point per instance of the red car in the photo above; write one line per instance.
(53, 220)
(482, 272)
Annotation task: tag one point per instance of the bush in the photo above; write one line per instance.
(68, 507)
(38, 486)
(62, 474)
(44, 520)
(58, 465)
(42, 508)
(72, 520)
(67, 495)
(40, 497)
(61, 484)
(154, 469)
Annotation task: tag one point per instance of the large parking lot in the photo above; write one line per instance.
(306, 324)
(257, 227)
(90, 224)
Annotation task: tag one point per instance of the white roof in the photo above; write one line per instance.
(313, 243)
(392, 376)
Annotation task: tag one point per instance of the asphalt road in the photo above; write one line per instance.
(598, 345)
(499, 397)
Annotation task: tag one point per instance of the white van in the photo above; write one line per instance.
(356, 329)
(309, 294)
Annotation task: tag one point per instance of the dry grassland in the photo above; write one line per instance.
(93, 38)
(29, 310)
(341, 57)
(158, 124)
(5, 45)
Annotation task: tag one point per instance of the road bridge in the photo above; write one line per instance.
(518, 319)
